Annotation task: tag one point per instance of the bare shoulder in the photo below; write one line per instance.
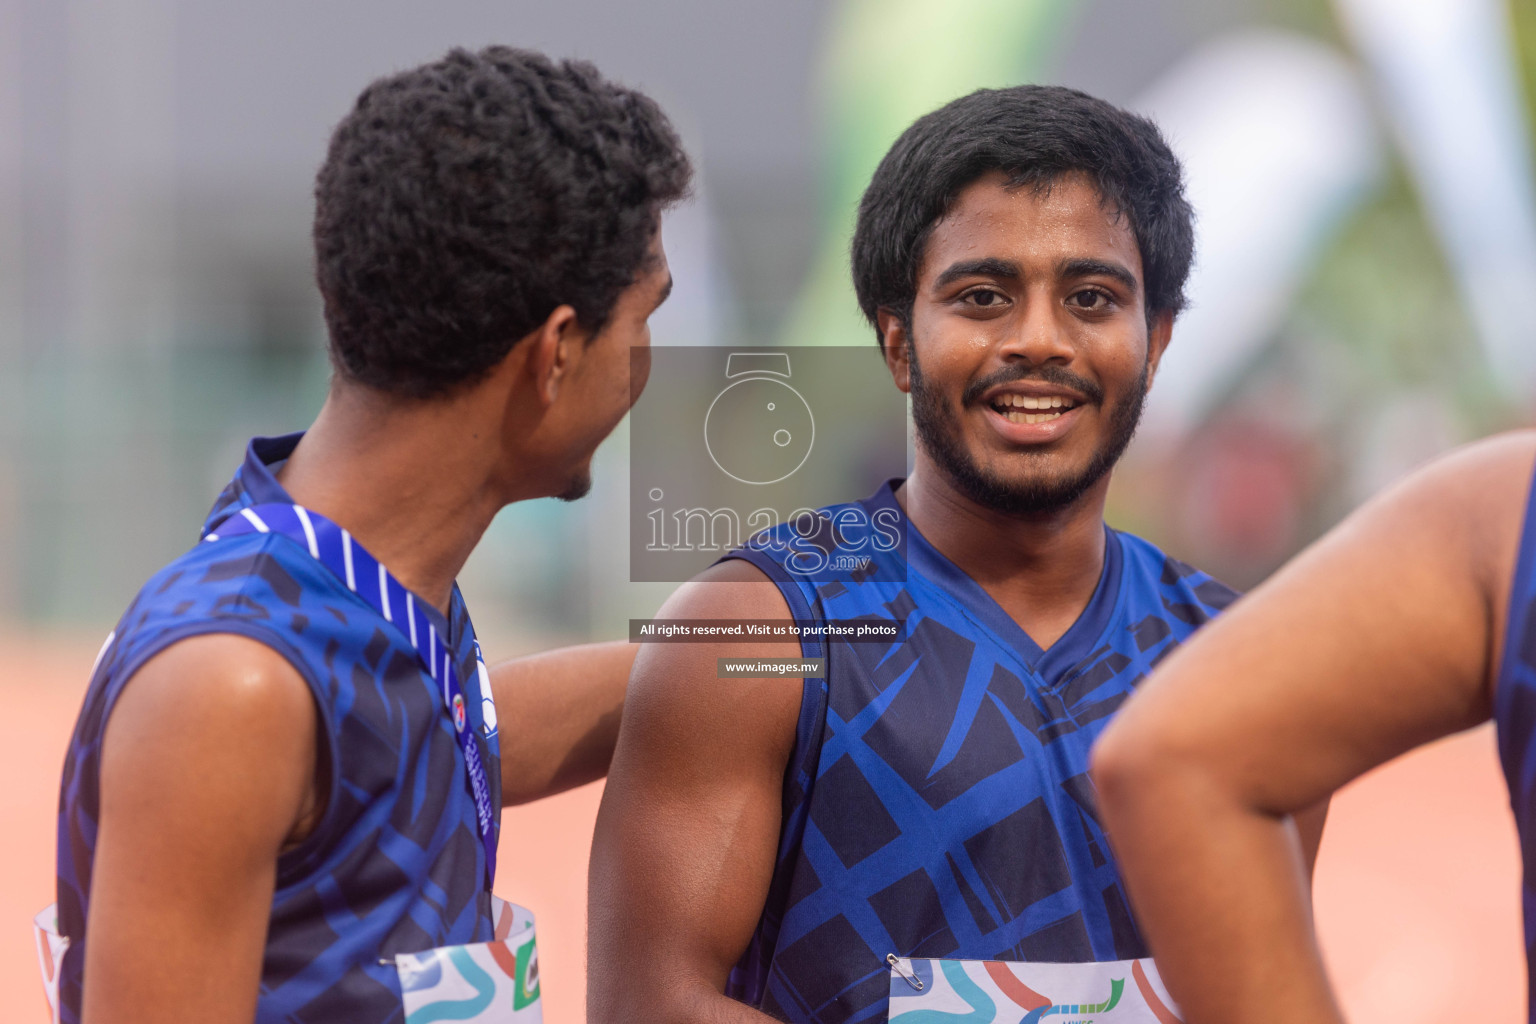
(676, 694)
(216, 680)
(733, 588)
(1483, 491)
(218, 722)
(1469, 504)
(1497, 465)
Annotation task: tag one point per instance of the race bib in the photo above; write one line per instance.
(983, 991)
(494, 982)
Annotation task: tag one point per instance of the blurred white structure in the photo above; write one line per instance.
(1278, 147)
(1447, 77)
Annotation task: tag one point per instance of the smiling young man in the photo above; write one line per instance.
(287, 775)
(765, 850)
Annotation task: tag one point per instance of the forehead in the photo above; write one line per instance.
(1036, 228)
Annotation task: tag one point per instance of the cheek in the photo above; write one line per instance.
(951, 350)
(1119, 358)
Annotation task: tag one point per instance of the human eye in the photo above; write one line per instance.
(984, 298)
(1090, 300)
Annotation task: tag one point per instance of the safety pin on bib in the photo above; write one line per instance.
(911, 979)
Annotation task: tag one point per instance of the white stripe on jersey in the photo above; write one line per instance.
(346, 556)
(309, 531)
(384, 593)
(255, 520)
(103, 652)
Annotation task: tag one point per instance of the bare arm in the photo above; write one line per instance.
(689, 825)
(207, 769)
(1381, 637)
(565, 707)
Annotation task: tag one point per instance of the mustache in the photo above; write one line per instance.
(1047, 374)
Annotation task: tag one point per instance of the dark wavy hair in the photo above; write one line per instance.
(463, 201)
(1034, 134)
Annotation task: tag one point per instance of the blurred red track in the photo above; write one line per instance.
(1417, 887)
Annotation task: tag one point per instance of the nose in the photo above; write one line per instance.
(1038, 337)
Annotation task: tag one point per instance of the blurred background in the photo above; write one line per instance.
(1365, 298)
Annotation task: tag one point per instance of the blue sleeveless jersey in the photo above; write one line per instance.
(1514, 714)
(937, 802)
(396, 864)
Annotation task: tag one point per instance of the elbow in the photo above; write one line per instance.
(1126, 766)
(1151, 772)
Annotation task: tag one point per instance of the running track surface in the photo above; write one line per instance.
(1417, 886)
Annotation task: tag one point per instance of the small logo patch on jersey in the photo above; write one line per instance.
(458, 712)
(487, 698)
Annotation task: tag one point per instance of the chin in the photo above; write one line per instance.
(577, 487)
(1047, 486)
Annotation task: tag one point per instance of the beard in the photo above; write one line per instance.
(577, 487)
(1037, 492)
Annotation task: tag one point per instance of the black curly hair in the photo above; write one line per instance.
(1034, 134)
(461, 202)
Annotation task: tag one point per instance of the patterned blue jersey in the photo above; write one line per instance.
(937, 802)
(395, 864)
(1514, 714)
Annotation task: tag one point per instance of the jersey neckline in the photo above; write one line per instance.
(1051, 663)
(255, 483)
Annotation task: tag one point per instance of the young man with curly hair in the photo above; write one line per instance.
(287, 771)
(920, 820)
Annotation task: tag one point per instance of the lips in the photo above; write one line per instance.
(1033, 416)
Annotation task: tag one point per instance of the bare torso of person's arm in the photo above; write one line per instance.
(207, 773)
(689, 824)
(1384, 635)
(566, 705)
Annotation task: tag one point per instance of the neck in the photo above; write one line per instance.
(405, 478)
(1042, 569)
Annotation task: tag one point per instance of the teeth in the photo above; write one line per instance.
(1032, 402)
(1032, 417)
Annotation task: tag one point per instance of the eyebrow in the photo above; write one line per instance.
(1098, 268)
(989, 266)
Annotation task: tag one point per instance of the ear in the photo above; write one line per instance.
(1158, 335)
(552, 350)
(894, 342)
